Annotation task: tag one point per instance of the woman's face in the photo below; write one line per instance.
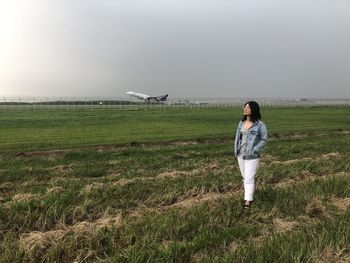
(246, 110)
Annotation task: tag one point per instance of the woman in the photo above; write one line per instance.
(251, 137)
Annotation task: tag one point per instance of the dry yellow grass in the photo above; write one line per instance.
(341, 203)
(90, 187)
(315, 208)
(332, 255)
(23, 197)
(282, 226)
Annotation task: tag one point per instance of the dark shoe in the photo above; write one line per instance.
(247, 204)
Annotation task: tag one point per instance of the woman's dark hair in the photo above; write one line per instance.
(255, 109)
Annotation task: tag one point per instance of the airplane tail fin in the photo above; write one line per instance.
(163, 98)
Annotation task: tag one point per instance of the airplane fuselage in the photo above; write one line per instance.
(138, 95)
(147, 98)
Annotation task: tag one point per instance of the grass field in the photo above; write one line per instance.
(163, 186)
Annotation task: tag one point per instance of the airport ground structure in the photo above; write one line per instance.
(75, 103)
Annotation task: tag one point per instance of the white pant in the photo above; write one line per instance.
(248, 170)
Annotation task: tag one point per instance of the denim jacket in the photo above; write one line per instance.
(256, 140)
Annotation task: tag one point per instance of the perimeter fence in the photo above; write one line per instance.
(110, 103)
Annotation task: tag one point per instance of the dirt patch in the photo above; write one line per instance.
(39, 240)
(136, 213)
(62, 169)
(199, 257)
(229, 168)
(315, 209)
(113, 176)
(292, 161)
(325, 156)
(173, 174)
(282, 226)
(211, 167)
(289, 182)
(307, 175)
(299, 136)
(55, 189)
(91, 187)
(123, 181)
(186, 155)
(333, 255)
(59, 179)
(4, 187)
(306, 220)
(20, 198)
(331, 155)
(165, 175)
(190, 202)
(268, 157)
(23, 197)
(261, 238)
(114, 162)
(103, 222)
(233, 246)
(345, 132)
(31, 183)
(166, 244)
(28, 169)
(302, 135)
(286, 183)
(184, 143)
(341, 203)
(205, 169)
(43, 153)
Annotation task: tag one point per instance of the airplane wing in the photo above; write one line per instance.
(160, 98)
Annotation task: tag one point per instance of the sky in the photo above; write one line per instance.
(186, 48)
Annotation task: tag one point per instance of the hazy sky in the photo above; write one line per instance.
(194, 48)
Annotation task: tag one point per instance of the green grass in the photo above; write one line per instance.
(54, 130)
(172, 202)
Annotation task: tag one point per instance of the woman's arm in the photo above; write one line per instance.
(263, 139)
(235, 145)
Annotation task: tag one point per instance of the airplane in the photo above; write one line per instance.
(147, 98)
